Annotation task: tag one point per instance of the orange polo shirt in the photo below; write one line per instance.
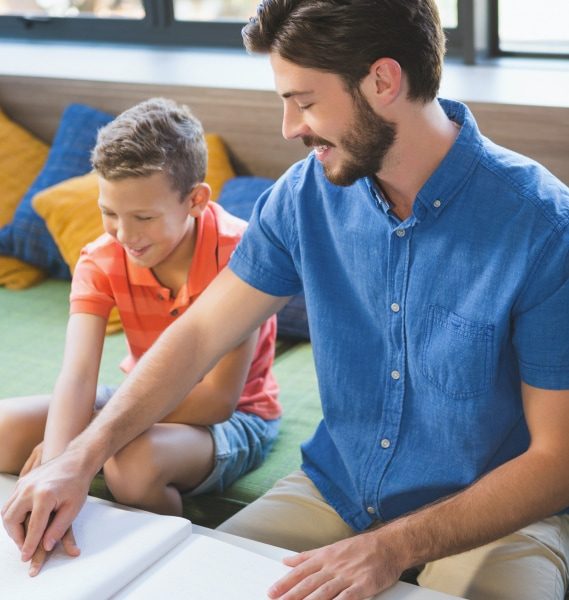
(104, 277)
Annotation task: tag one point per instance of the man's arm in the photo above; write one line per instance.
(223, 316)
(491, 508)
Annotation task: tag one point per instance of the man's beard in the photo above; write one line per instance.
(366, 144)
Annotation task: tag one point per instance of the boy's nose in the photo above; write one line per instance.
(124, 235)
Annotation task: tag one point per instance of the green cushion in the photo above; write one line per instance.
(32, 326)
(33, 323)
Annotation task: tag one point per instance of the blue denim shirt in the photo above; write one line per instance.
(423, 329)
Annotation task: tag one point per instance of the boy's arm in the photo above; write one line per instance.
(224, 316)
(71, 407)
(215, 397)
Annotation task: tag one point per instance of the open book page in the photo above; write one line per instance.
(203, 568)
(116, 546)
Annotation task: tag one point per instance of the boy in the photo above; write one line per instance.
(164, 242)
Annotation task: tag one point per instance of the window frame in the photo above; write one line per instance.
(494, 40)
(475, 37)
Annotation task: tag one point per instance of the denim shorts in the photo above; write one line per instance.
(241, 444)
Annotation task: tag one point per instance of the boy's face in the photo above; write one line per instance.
(348, 137)
(146, 216)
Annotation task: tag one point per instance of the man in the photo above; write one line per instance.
(435, 267)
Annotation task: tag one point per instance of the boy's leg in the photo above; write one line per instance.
(290, 515)
(529, 564)
(22, 425)
(168, 457)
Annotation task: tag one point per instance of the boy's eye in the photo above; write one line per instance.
(141, 218)
(304, 107)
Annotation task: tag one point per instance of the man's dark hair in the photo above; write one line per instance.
(347, 36)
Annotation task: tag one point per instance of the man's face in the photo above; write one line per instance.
(348, 137)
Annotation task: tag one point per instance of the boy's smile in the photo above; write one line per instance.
(147, 218)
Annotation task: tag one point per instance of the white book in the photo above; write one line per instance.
(139, 555)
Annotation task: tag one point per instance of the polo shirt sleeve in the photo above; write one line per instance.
(541, 323)
(265, 256)
(91, 290)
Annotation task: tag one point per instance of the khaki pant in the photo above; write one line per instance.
(530, 564)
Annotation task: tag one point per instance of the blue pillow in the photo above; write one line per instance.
(27, 237)
(238, 197)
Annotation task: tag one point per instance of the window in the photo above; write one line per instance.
(473, 27)
(524, 30)
(105, 9)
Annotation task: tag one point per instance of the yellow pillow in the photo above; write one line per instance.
(21, 159)
(219, 168)
(72, 215)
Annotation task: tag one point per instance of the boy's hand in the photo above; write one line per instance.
(41, 555)
(34, 459)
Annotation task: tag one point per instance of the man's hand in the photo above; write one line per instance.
(354, 568)
(44, 504)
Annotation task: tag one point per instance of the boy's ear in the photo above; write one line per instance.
(198, 199)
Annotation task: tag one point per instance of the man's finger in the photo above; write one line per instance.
(14, 523)
(39, 519)
(60, 524)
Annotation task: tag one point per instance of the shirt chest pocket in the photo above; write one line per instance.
(457, 353)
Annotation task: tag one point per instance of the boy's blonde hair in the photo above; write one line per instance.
(155, 135)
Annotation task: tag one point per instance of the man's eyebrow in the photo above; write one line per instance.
(296, 93)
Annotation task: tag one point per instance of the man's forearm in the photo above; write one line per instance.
(526, 489)
(157, 384)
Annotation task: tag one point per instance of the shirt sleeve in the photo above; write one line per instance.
(91, 290)
(541, 323)
(265, 256)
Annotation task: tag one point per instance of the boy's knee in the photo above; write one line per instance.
(131, 474)
(13, 435)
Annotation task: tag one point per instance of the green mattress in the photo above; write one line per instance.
(32, 334)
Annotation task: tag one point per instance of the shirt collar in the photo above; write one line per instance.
(457, 166)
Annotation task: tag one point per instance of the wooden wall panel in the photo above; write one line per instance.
(250, 121)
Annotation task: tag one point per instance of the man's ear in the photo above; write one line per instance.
(384, 80)
(197, 199)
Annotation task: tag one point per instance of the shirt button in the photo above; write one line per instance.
(159, 297)
(400, 233)
(385, 443)
(371, 510)
(395, 375)
(395, 307)
(174, 313)
(437, 203)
